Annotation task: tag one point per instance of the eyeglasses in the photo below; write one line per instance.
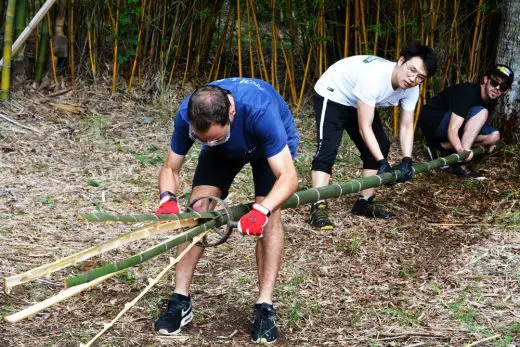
(412, 71)
(211, 143)
(495, 83)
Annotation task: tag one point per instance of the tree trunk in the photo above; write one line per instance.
(508, 115)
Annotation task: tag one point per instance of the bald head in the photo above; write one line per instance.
(208, 105)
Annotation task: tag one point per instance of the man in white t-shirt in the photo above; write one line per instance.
(346, 98)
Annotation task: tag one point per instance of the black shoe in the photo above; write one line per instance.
(464, 171)
(264, 330)
(367, 208)
(320, 216)
(177, 314)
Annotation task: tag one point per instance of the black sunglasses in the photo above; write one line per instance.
(494, 83)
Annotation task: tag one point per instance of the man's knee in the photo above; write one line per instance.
(369, 162)
(477, 115)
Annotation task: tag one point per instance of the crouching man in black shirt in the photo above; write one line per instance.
(456, 119)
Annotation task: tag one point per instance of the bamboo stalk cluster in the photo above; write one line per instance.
(285, 42)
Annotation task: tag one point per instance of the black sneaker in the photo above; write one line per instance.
(264, 330)
(367, 208)
(320, 216)
(464, 171)
(177, 314)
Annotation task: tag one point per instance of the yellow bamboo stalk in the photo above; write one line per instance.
(320, 45)
(71, 44)
(450, 48)
(377, 27)
(397, 55)
(53, 58)
(474, 43)
(143, 6)
(289, 74)
(91, 54)
(251, 60)
(188, 57)
(274, 47)
(302, 90)
(8, 40)
(114, 64)
(363, 27)
(347, 28)
(239, 39)
(259, 42)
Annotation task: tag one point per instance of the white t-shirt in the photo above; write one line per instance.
(366, 78)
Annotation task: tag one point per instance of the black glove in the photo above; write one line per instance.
(406, 169)
(384, 167)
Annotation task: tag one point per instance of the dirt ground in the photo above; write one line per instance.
(445, 272)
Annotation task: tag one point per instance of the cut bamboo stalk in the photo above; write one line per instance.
(151, 283)
(376, 33)
(149, 253)
(8, 40)
(147, 231)
(30, 27)
(307, 196)
(56, 299)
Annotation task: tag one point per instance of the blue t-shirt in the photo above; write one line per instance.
(262, 126)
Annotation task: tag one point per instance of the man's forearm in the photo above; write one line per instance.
(282, 190)
(371, 141)
(168, 180)
(406, 140)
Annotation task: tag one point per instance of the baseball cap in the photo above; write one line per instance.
(505, 72)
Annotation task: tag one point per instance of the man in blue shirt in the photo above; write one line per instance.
(238, 121)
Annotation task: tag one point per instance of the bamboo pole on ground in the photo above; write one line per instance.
(151, 283)
(30, 27)
(301, 197)
(8, 41)
(139, 234)
(56, 299)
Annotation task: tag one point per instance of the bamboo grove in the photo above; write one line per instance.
(159, 44)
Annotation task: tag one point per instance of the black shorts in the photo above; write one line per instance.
(219, 171)
(332, 119)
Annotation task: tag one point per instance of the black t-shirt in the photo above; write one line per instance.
(458, 99)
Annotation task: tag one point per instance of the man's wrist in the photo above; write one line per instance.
(167, 196)
(262, 209)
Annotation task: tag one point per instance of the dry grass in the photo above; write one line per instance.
(445, 272)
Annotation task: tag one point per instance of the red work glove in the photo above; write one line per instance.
(253, 222)
(168, 204)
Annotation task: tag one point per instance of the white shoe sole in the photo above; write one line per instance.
(184, 322)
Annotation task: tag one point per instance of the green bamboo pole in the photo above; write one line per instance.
(302, 197)
(19, 20)
(42, 51)
(8, 41)
(298, 198)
